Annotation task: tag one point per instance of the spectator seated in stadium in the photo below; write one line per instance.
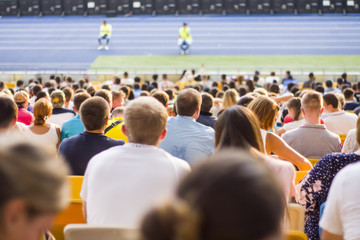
(232, 196)
(33, 93)
(118, 99)
(350, 144)
(312, 139)
(8, 114)
(74, 125)
(20, 85)
(290, 80)
(42, 132)
(307, 84)
(266, 111)
(329, 87)
(336, 121)
(314, 188)
(79, 149)
(118, 187)
(206, 118)
(69, 95)
(186, 138)
(238, 127)
(116, 83)
(114, 128)
(106, 95)
(161, 96)
(294, 108)
(59, 113)
(22, 100)
(341, 214)
(35, 192)
(350, 105)
(165, 84)
(230, 99)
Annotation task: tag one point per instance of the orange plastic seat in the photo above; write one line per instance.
(313, 161)
(300, 175)
(74, 212)
(342, 138)
(295, 235)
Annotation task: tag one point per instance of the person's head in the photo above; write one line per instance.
(161, 96)
(184, 24)
(272, 74)
(213, 91)
(311, 76)
(94, 114)
(81, 83)
(118, 99)
(287, 74)
(344, 76)
(266, 110)
(261, 91)
(41, 95)
(42, 111)
(21, 99)
(207, 102)
(8, 113)
(105, 94)
(331, 103)
(117, 81)
(155, 77)
(104, 22)
(230, 98)
(164, 77)
(35, 90)
(245, 100)
(256, 79)
(188, 103)
(2, 86)
(329, 83)
(69, 94)
(35, 189)
(349, 94)
(232, 195)
(341, 98)
(79, 98)
(20, 84)
(238, 127)
(311, 104)
(274, 88)
(320, 89)
(242, 91)
(125, 90)
(118, 112)
(340, 82)
(294, 107)
(250, 85)
(223, 77)
(170, 93)
(145, 121)
(58, 99)
(126, 74)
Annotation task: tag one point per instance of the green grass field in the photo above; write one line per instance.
(228, 63)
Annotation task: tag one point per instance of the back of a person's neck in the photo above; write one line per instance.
(96, 131)
(312, 120)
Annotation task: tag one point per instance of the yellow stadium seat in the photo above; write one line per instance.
(300, 175)
(313, 161)
(342, 138)
(295, 235)
(74, 212)
(296, 217)
(350, 111)
(10, 85)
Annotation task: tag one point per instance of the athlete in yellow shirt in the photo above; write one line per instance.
(185, 39)
(105, 33)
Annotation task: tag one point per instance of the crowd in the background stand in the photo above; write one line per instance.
(225, 151)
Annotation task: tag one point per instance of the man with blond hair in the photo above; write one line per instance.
(312, 139)
(122, 183)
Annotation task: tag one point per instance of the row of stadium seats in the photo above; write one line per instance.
(114, 7)
(78, 230)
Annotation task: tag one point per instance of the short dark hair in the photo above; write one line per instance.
(329, 83)
(137, 79)
(105, 94)
(331, 99)
(311, 75)
(79, 98)
(340, 81)
(242, 91)
(155, 77)
(170, 92)
(207, 102)
(223, 76)
(213, 91)
(188, 101)
(8, 111)
(320, 89)
(69, 93)
(117, 80)
(94, 112)
(245, 100)
(348, 93)
(164, 76)
(256, 79)
(19, 83)
(106, 87)
(162, 97)
(36, 89)
(344, 75)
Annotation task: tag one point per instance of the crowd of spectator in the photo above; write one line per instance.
(190, 159)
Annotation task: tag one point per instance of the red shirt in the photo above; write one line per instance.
(25, 117)
(288, 119)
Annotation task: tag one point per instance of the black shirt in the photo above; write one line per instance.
(79, 149)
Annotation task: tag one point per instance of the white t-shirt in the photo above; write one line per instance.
(122, 183)
(342, 208)
(59, 119)
(350, 144)
(340, 122)
(50, 138)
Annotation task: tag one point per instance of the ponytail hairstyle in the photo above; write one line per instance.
(232, 195)
(295, 103)
(42, 110)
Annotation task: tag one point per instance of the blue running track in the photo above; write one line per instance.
(72, 41)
